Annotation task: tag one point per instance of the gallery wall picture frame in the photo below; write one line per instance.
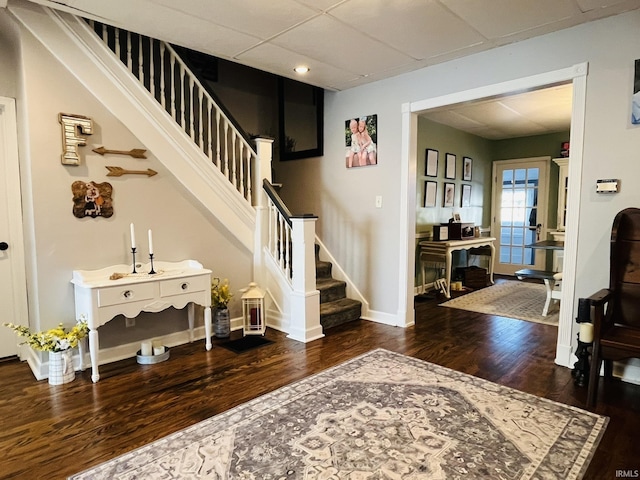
(465, 199)
(430, 193)
(431, 162)
(448, 197)
(467, 167)
(361, 139)
(450, 166)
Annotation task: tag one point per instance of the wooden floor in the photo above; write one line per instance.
(54, 431)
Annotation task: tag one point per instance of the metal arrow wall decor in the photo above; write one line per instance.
(119, 171)
(135, 152)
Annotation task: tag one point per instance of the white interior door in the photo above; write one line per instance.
(13, 293)
(519, 213)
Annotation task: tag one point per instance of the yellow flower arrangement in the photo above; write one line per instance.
(220, 293)
(54, 340)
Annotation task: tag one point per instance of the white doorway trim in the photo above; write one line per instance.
(410, 111)
(10, 168)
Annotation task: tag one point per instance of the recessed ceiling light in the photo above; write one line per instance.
(301, 69)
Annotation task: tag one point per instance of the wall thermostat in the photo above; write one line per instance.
(609, 185)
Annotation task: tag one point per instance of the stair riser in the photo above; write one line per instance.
(335, 292)
(323, 270)
(338, 318)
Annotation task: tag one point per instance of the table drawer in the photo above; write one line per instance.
(125, 294)
(181, 286)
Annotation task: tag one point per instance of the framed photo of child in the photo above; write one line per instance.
(361, 139)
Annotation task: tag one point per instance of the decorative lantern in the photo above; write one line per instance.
(253, 310)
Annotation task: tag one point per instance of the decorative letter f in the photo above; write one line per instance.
(72, 127)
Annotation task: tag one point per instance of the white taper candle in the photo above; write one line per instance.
(133, 237)
(150, 243)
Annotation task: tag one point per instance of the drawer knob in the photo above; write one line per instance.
(184, 286)
(127, 293)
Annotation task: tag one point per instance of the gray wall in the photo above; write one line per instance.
(365, 240)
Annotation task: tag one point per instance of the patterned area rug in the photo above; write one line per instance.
(511, 299)
(381, 415)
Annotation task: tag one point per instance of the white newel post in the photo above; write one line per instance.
(262, 170)
(305, 300)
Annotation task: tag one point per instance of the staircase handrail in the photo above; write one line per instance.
(280, 205)
(270, 190)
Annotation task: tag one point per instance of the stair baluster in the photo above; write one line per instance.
(191, 106)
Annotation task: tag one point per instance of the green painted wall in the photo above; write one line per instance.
(483, 152)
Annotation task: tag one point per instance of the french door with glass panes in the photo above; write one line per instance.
(519, 213)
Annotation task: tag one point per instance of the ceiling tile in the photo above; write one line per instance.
(272, 58)
(335, 43)
(171, 26)
(246, 16)
(523, 114)
(359, 41)
(420, 28)
(322, 5)
(501, 18)
(586, 5)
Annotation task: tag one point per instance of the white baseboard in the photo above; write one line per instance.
(420, 289)
(628, 372)
(40, 368)
(277, 321)
(381, 317)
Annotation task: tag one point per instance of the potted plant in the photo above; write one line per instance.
(58, 342)
(220, 297)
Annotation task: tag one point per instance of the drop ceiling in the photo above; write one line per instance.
(525, 114)
(348, 43)
(345, 43)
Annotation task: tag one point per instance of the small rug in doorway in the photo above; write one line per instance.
(512, 299)
(246, 343)
(379, 415)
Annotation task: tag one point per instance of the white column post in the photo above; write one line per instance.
(262, 170)
(304, 323)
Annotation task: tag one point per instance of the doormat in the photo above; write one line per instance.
(246, 343)
(380, 415)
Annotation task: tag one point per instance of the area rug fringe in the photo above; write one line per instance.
(382, 415)
(512, 299)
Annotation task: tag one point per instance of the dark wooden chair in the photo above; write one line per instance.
(616, 322)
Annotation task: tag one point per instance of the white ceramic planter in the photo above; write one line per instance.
(61, 367)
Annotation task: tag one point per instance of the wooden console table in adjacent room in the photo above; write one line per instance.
(443, 249)
(100, 298)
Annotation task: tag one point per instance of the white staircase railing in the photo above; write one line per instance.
(279, 233)
(164, 74)
(290, 242)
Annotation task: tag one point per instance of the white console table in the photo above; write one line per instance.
(443, 249)
(176, 284)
